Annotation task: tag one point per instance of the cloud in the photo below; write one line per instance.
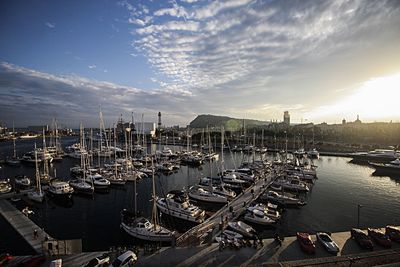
(50, 25)
(263, 50)
(92, 66)
(73, 98)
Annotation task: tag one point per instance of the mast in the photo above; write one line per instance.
(37, 175)
(15, 151)
(45, 167)
(115, 154)
(222, 151)
(154, 213)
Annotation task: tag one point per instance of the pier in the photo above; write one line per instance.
(210, 228)
(24, 226)
(271, 254)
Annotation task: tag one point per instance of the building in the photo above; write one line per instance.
(286, 118)
(149, 128)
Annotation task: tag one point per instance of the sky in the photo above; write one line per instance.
(320, 60)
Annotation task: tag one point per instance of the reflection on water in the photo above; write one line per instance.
(331, 205)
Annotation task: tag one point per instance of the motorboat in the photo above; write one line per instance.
(5, 186)
(242, 228)
(22, 181)
(379, 237)
(258, 217)
(81, 186)
(392, 167)
(313, 153)
(142, 228)
(60, 189)
(283, 200)
(326, 241)
(306, 244)
(177, 204)
(271, 213)
(99, 182)
(201, 194)
(377, 155)
(292, 185)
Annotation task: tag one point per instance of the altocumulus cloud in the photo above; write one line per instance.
(250, 50)
(32, 97)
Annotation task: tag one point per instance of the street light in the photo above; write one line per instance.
(358, 215)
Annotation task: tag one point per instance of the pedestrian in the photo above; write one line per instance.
(35, 234)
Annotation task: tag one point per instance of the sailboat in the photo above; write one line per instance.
(81, 185)
(142, 228)
(14, 161)
(208, 195)
(38, 194)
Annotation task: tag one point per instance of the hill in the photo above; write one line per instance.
(230, 124)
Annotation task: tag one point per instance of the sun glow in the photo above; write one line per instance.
(376, 99)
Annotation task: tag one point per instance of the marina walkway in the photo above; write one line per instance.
(237, 206)
(270, 254)
(23, 225)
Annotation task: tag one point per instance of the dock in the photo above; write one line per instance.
(210, 228)
(24, 226)
(271, 254)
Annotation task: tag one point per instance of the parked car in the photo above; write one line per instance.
(98, 261)
(29, 261)
(379, 237)
(5, 258)
(362, 238)
(125, 259)
(326, 241)
(393, 233)
(306, 244)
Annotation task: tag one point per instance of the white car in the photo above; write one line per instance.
(327, 242)
(125, 259)
(98, 261)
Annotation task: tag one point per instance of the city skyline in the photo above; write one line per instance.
(250, 59)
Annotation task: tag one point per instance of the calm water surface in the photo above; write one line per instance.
(331, 205)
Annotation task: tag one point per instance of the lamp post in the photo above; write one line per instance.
(358, 215)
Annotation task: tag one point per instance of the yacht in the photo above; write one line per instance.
(199, 193)
(177, 204)
(313, 153)
(81, 186)
(99, 182)
(60, 189)
(5, 186)
(258, 217)
(272, 213)
(392, 167)
(377, 155)
(22, 181)
(242, 228)
(279, 199)
(292, 185)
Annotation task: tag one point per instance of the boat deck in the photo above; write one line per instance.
(238, 205)
(23, 225)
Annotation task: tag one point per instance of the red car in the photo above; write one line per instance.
(379, 237)
(306, 244)
(362, 239)
(393, 233)
(5, 258)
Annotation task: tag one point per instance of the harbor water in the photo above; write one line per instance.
(331, 204)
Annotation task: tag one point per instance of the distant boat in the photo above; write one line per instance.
(392, 167)
(28, 136)
(377, 155)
